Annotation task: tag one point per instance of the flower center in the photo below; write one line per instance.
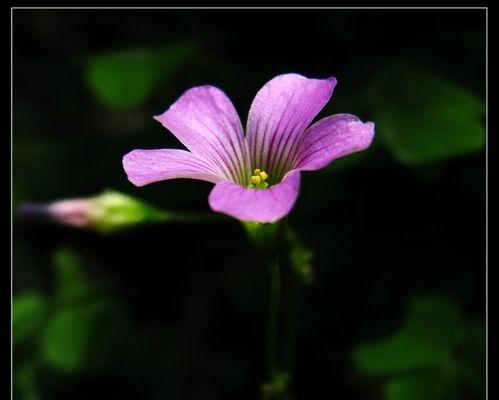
(257, 180)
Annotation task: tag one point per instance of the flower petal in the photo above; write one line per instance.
(331, 138)
(280, 113)
(206, 122)
(258, 205)
(148, 166)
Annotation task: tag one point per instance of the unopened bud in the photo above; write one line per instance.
(107, 212)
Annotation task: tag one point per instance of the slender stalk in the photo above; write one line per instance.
(192, 217)
(267, 239)
(291, 310)
(274, 306)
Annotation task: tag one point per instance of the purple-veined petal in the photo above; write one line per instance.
(147, 166)
(258, 205)
(279, 114)
(206, 122)
(331, 138)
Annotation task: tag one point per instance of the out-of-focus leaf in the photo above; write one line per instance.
(473, 359)
(397, 353)
(427, 338)
(436, 355)
(29, 313)
(25, 387)
(435, 321)
(71, 282)
(84, 331)
(276, 388)
(427, 386)
(424, 118)
(126, 78)
(85, 337)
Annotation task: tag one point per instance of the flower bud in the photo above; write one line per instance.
(108, 212)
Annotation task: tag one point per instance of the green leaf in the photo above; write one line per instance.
(435, 355)
(428, 338)
(84, 332)
(425, 118)
(25, 383)
(85, 337)
(276, 388)
(127, 78)
(71, 283)
(473, 359)
(435, 321)
(427, 386)
(29, 313)
(397, 353)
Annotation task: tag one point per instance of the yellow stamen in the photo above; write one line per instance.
(255, 179)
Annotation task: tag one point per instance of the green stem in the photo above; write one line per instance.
(291, 310)
(191, 217)
(274, 305)
(267, 239)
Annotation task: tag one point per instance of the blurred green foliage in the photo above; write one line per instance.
(85, 327)
(28, 313)
(423, 118)
(127, 78)
(70, 277)
(25, 383)
(78, 329)
(428, 337)
(473, 357)
(277, 388)
(84, 337)
(432, 385)
(424, 359)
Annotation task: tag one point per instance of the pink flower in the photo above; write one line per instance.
(257, 175)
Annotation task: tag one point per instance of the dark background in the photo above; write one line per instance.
(192, 299)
